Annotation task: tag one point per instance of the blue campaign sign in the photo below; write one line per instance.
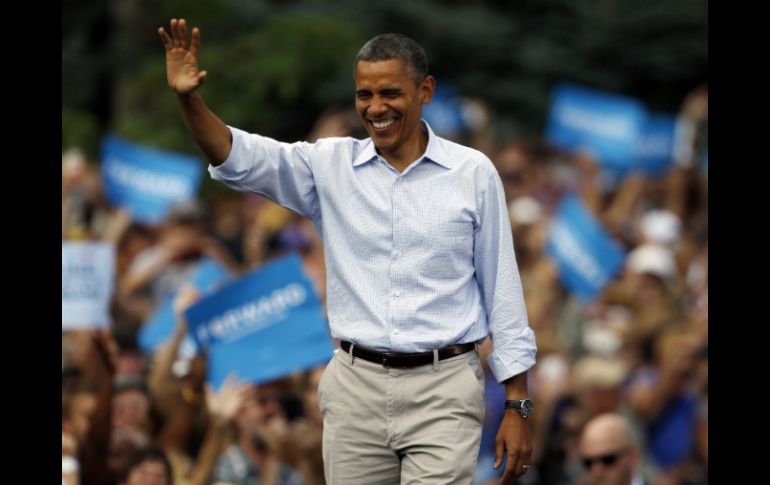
(87, 276)
(655, 147)
(145, 180)
(607, 125)
(586, 255)
(263, 326)
(444, 113)
(207, 278)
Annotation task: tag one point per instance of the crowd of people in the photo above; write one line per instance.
(621, 382)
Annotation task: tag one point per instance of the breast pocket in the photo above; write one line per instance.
(449, 249)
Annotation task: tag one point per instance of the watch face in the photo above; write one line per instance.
(527, 407)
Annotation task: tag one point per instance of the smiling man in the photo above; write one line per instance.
(420, 269)
(390, 93)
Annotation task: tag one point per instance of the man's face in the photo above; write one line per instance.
(612, 461)
(389, 103)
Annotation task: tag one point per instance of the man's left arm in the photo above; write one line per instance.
(513, 341)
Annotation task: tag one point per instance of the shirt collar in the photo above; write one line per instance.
(433, 152)
(435, 149)
(366, 155)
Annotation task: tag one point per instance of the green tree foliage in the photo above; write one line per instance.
(274, 66)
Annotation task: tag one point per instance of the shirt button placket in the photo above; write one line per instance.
(395, 279)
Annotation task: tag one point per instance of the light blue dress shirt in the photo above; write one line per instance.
(415, 260)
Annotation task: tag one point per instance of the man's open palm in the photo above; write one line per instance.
(182, 57)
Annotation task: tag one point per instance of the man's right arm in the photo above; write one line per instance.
(184, 78)
(209, 132)
(279, 171)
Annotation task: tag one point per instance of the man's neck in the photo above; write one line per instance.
(400, 161)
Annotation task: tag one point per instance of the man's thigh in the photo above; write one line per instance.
(353, 400)
(439, 429)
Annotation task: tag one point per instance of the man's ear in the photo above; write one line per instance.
(427, 88)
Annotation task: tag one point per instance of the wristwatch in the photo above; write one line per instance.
(525, 407)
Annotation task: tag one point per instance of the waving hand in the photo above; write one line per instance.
(182, 57)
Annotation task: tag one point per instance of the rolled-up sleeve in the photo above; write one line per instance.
(513, 342)
(282, 172)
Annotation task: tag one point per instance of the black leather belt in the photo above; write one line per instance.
(401, 359)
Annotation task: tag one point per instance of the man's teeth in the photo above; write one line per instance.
(383, 124)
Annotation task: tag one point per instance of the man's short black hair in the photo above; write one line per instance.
(385, 47)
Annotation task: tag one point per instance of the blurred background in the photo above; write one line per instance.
(633, 341)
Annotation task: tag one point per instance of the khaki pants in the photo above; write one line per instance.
(401, 426)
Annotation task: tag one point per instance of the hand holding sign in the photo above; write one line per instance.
(160, 326)
(224, 405)
(187, 296)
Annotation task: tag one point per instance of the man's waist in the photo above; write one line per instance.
(406, 359)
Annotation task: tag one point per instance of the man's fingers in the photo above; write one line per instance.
(185, 37)
(499, 450)
(167, 43)
(180, 37)
(510, 473)
(517, 462)
(527, 461)
(243, 393)
(196, 42)
(175, 33)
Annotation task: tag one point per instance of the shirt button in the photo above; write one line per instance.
(397, 293)
(395, 331)
(397, 254)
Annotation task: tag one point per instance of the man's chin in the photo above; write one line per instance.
(381, 145)
(383, 140)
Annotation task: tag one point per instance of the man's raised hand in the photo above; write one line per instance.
(182, 57)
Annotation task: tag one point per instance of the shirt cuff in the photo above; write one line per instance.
(235, 164)
(513, 357)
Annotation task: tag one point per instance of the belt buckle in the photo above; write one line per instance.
(386, 356)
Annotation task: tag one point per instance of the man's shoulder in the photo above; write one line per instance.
(340, 141)
(335, 148)
(467, 157)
